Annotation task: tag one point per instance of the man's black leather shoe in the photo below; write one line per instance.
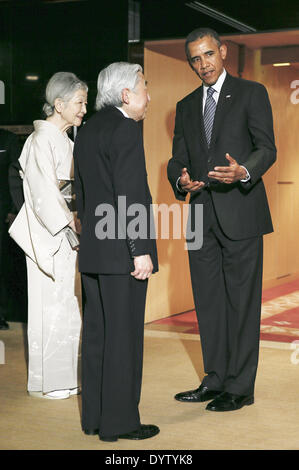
(229, 402)
(144, 432)
(3, 324)
(202, 393)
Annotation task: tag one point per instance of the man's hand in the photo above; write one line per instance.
(187, 184)
(143, 267)
(228, 174)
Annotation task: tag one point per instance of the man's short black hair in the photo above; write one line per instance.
(200, 33)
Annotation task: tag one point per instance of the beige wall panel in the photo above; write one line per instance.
(254, 71)
(281, 254)
(278, 81)
(295, 227)
(270, 240)
(232, 58)
(169, 80)
(248, 71)
(285, 237)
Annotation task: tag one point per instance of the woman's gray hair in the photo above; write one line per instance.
(112, 80)
(62, 85)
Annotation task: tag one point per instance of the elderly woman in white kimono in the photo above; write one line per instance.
(40, 228)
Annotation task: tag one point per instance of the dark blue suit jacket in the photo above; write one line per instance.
(243, 127)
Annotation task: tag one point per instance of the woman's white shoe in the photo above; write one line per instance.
(57, 395)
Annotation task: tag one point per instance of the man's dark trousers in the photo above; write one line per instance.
(226, 280)
(3, 265)
(112, 352)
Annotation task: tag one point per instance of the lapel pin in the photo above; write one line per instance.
(228, 96)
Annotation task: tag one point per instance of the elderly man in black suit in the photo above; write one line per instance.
(115, 265)
(9, 153)
(223, 144)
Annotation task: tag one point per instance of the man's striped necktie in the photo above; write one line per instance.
(209, 113)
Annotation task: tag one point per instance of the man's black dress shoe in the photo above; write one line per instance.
(3, 324)
(229, 402)
(144, 432)
(202, 393)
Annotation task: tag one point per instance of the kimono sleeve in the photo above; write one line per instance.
(42, 187)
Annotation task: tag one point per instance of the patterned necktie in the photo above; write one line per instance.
(209, 113)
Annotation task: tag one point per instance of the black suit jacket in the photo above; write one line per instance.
(9, 154)
(110, 163)
(243, 127)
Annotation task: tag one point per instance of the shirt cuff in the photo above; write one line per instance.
(178, 186)
(247, 175)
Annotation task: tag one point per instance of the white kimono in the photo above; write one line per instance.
(54, 320)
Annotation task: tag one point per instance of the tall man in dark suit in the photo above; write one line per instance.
(223, 144)
(9, 153)
(111, 184)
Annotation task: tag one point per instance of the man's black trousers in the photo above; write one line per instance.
(112, 352)
(226, 280)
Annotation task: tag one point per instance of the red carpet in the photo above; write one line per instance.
(280, 315)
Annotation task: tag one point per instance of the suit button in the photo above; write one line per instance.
(209, 160)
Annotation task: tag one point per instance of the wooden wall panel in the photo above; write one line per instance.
(254, 71)
(281, 255)
(170, 79)
(284, 236)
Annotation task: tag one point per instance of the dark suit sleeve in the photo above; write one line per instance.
(78, 187)
(130, 179)
(180, 158)
(260, 126)
(14, 178)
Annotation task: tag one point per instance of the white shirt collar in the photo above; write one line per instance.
(122, 111)
(218, 85)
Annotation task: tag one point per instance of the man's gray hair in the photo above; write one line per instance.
(61, 85)
(112, 80)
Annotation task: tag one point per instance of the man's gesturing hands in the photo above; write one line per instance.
(228, 174)
(187, 184)
(224, 174)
